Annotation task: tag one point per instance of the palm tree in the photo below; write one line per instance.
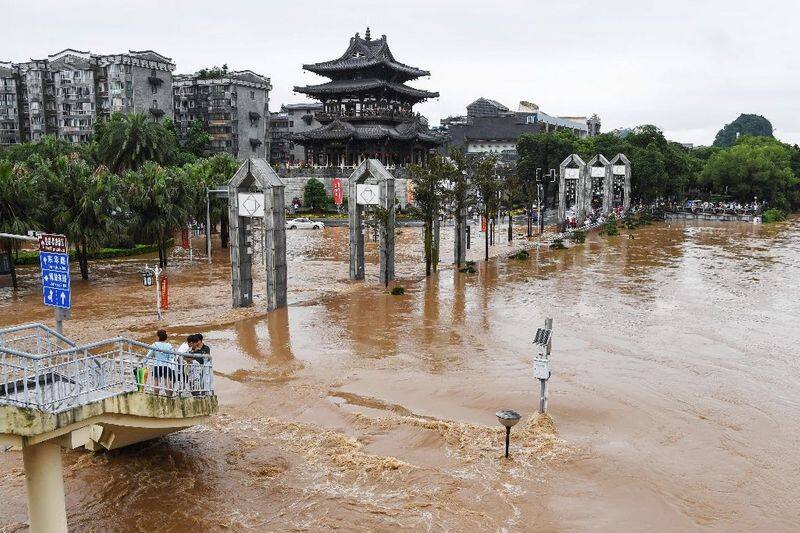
(19, 201)
(126, 142)
(83, 204)
(162, 201)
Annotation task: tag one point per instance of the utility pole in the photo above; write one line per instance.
(541, 364)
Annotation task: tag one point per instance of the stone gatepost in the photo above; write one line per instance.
(599, 168)
(460, 240)
(371, 184)
(621, 178)
(255, 198)
(572, 176)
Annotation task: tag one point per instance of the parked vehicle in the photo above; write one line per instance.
(303, 223)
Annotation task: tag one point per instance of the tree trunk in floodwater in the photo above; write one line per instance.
(83, 258)
(428, 244)
(510, 227)
(486, 235)
(13, 269)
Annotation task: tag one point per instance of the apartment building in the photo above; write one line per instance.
(291, 119)
(9, 102)
(67, 92)
(232, 106)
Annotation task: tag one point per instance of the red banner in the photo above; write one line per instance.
(49, 242)
(185, 239)
(164, 292)
(483, 223)
(338, 192)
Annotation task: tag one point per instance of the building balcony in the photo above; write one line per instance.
(255, 143)
(254, 116)
(155, 81)
(156, 112)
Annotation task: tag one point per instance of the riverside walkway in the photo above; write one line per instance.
(55, 394)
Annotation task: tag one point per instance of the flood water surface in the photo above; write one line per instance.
(673, 403)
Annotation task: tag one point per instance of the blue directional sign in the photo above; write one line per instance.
(55, 272)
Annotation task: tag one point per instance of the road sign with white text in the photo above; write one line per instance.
(54, 261)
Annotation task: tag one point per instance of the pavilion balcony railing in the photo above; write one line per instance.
(301, 166)
(43, 370)
(366, 114)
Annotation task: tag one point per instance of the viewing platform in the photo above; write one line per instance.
(55, 394)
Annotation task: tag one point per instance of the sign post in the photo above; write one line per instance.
(54, 262)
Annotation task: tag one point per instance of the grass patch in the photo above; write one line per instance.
(773, 215)
(29, 257)
(397, 290)
(521, 255)
(578, 237)
(557, 244)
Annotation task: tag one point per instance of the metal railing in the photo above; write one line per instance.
(43, 370)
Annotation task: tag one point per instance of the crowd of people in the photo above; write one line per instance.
(176, 370)
(732, 207)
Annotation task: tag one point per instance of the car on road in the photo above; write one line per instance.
(303, 223)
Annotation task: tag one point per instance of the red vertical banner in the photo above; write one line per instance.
(185, 238)
(409, 192)
(483, 223)
(338, 191)
(164, 292)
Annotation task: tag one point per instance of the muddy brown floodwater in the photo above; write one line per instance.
(674, 399)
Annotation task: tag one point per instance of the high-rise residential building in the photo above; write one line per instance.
(232, 106)
(9, 105)
(66, 93)
(291, 119)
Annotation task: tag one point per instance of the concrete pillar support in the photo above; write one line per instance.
(44, 479)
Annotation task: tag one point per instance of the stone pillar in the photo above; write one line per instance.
(44, 481)
(460, 240)
(356, 232)
(387, 235)
(279, 246)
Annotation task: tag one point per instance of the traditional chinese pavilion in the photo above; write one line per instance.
(367, 109)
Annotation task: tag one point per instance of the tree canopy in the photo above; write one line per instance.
(752, 125)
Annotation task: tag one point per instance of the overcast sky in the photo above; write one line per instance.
(688, 66)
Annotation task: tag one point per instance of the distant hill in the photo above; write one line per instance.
(754, 125)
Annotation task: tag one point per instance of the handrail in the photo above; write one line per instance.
(54, 381)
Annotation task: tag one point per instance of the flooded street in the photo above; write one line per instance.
(674, 399)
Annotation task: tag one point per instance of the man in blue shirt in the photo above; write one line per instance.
(164, 365)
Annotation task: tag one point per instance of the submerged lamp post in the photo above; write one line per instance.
(508, 419)
(150, 278)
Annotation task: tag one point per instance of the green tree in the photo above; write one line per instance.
(430, 195)
(487, 185)
(126, 142)
(20, 198)
(197, 139)
(82, 203)
(754, 167)
(216, 172)
(541, 152)
(460, 193)
(744, 125)
(314, 195)
(162, 201)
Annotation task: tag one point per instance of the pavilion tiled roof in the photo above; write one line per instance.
(339, 130)
(345, 86)
(363, 54)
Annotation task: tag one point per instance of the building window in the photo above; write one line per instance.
(291, 123)
(252, 95)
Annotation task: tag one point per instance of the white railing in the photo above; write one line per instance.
(39, 374)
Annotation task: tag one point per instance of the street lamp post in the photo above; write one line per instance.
(150, 277)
